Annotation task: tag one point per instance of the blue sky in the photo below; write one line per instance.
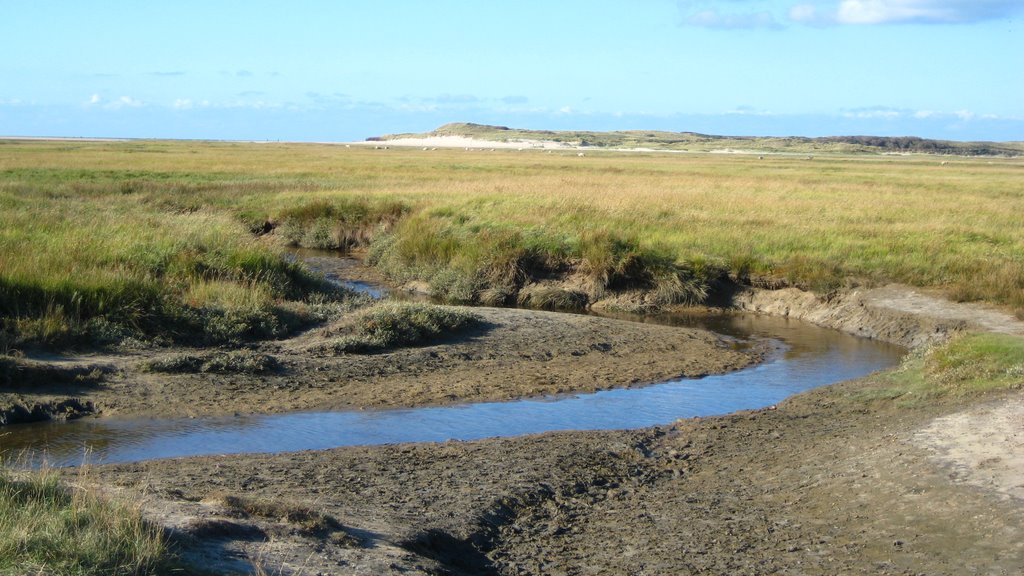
(313, 70)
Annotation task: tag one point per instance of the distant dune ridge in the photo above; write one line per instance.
(468, 135)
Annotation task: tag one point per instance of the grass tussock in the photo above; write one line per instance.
(390, 325)
(337, 223)
(490, 263)
(50, 528)
(234, 362)
(966, 365)
(306, 520)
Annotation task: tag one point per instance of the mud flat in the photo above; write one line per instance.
(512, 354)
(824, 484)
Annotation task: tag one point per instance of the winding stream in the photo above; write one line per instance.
(804, 357)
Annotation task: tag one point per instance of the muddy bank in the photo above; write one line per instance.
(827, 483)
(511, 354)
(906, 316)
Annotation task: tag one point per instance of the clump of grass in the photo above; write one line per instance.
(490, 264)
(964, 366)
(234, 362)
(392, 324)
(49, 528)
(337, 223)
(309, 522)
(464, 262)
(552, 298)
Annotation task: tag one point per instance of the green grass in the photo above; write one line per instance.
(104, 242)
(390, 325)
(965, 366)
(50, 528)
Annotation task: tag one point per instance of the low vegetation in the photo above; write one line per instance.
(305, 520)
(149, 242)
(396, 324)
(233, 362)
(49, 528)
(967, 365)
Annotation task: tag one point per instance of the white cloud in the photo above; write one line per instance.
(706, 14)
(866, 12)
(805, 13)
(189, 104)
(875, 112)
(93, 100)
(748, 111)
(9, 102)
(122, 102)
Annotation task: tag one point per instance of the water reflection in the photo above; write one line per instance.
(808, 357)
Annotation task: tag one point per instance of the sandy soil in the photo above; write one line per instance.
(467, 142)
(514, 354)
(982, 446)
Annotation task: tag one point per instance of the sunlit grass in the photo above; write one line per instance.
(47, 527)
(965, 366)
(124, 229)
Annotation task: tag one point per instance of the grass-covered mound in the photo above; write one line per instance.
(966, 365)
(390, 325)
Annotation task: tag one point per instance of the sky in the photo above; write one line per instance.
(318, 70)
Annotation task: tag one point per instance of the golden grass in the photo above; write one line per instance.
(818, 222)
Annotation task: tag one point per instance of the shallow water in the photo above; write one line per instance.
(805, 357)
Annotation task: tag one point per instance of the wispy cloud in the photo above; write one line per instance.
(124, 102)
(189, 104)
(747, 14)
(866, 12)
(9, 102)
(168, 73)
(748, 111)
(117, 104)
(875, 112)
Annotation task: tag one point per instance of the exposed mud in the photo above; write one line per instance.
(512, 354)
(828, 482)
(899, 314)
(824, 484)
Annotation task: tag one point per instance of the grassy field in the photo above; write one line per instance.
(183, 240)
